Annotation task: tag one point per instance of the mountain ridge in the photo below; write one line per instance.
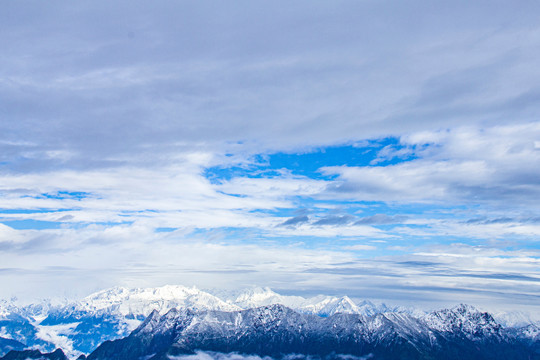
(277, 331)
(79, 327)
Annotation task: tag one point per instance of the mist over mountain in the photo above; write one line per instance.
(185, 321)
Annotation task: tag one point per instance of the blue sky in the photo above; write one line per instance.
(379, 149)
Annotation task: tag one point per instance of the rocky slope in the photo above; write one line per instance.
(277, 331)
(80, 327)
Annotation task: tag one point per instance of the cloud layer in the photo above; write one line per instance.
(378, 149)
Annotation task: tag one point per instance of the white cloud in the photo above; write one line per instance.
(201, 355)
(172, 196)
(205, 355)
(168, 91)
(132, 112)
(465, 166)
(58, 335)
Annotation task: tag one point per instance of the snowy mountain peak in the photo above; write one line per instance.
(465, 319)
(142, 301)
(330, 305)
(7, 308)
(516, 318)
(342, 305)
(274, 330)
(78, 327)
(465, 309)
(257, 290)
(150, 323)
(257, 296)
(319, 305)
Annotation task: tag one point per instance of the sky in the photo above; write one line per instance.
(385, 150)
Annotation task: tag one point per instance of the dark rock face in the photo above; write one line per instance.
(6, 345)
(276, 331)
(34, 355)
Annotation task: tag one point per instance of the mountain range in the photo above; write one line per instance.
(170, 321)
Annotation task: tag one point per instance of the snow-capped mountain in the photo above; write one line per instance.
(465, 320)
(321, 305)
(277, 331)
(79, 327)
(258, 296)
(141, 302)
(329, 305)
(516, 318)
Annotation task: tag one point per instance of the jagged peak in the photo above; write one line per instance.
(271, 307)
(162, 292)
(463, 319)
(465, 309)
(153, 315)
(461, 309)
(34, 354)
(141, 301)
(347, 299)
(149, 323)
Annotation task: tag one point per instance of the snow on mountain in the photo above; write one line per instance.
(142, 301)
(531, 332)
(368, 308)
(321, 305)
(327, 306)
(464, 319)
(415, 312)
(275, 330)
(258, 296)
(6, 308)
(80, 326)
(516, 318)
